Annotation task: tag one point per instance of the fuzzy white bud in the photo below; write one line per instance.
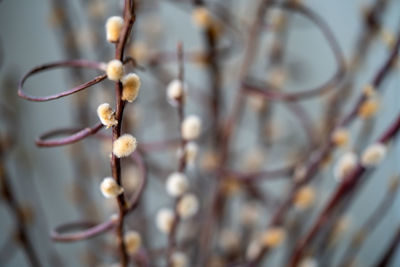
(110, 188)
(113, 28)
(253, 250)
(131, 85)
(373, 155)
(124, 145)
(300, 172)
(164, 220)
(191, 127)
(308, 262)
(132, 241)
(345, 165)
(175, 91)
(179, 259)
(188, 206)
(177, 184)
(115, 70)
(106, 115)
(191, 150)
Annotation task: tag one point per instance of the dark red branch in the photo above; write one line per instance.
(69, 63)
(76, 135)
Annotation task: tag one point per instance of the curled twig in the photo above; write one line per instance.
(69, 63)
(76, 135)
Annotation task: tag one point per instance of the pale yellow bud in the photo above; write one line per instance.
(254, 159)
(97, 8)
(369, 90)
(340, 137)
(256, 102)
(139, 51)
(131, 85)
(179, 259)
(273, 237)
(299, 173)
(229, 240)
(342, 226)
(345, 165)
(177, 184)
(175, 91)
(373, 155)
(131, 178)
(388, 38)
(308, 262)
(113, 28)
(249, 213)
(132, 241)
(191, 127)
(210, 160)
(277, 77)
(191, 149)
(304, 197)
(164, 220)
(217, 261)
(253, 250)
(115, 70)
(368, 108)
(187, 206)
(124, 145)
(110, 188)
(231, 186)
(106, 115)
(201, 17)
(277, 19)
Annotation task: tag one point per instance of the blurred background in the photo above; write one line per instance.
(53, 185)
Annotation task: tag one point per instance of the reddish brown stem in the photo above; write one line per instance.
(129, 19)
(390, 252)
